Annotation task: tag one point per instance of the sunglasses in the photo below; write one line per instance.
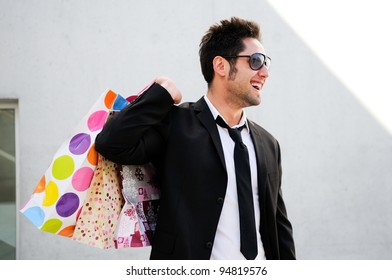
(256, 60)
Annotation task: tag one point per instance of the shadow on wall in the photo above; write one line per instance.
(337, 159)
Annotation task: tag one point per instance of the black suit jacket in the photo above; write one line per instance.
(184, 144)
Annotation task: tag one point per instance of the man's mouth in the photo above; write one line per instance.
(256, 85)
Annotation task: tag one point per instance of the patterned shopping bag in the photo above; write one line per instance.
(66, 201)
(57, 199)
(138, 217)
(129, 189)
(98, 218)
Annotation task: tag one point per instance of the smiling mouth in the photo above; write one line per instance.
(257, 86)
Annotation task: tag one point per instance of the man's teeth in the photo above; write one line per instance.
(256, 86)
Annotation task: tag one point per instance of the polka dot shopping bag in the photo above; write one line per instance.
(57, 200)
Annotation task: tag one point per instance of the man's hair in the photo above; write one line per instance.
(225, 39)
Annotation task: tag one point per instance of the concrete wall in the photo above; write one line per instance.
(57, 56)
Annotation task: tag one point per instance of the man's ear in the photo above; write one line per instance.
(220, 65)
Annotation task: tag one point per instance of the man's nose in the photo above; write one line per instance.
(263, 72)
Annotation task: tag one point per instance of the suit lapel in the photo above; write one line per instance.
(204, 115)
(261, 159)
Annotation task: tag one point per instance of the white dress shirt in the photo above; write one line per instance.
(227, 239)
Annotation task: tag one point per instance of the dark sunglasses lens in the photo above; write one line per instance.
(256, 61)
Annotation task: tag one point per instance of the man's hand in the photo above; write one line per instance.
(169, 85)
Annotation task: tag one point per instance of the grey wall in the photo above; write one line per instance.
(57, 56)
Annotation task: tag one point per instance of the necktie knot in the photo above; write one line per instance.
(235, 133)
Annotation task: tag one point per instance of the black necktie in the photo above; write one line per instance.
(244, 191)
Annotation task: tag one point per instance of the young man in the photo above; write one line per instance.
(219, 173)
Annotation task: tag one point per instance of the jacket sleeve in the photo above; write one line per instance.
(136, 134)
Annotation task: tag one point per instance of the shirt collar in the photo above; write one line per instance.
(215, 114)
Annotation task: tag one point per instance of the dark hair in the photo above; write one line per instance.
(225, 39)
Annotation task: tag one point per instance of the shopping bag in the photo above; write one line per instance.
(138, 218)
(58, 197)
(98, 218)
(62, 200)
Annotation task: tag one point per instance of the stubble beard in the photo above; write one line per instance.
(242, 97)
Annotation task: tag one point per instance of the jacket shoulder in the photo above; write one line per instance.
(266, 135)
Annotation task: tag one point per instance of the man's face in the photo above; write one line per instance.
(245, 85)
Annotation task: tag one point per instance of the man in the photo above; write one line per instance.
(212, 205)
